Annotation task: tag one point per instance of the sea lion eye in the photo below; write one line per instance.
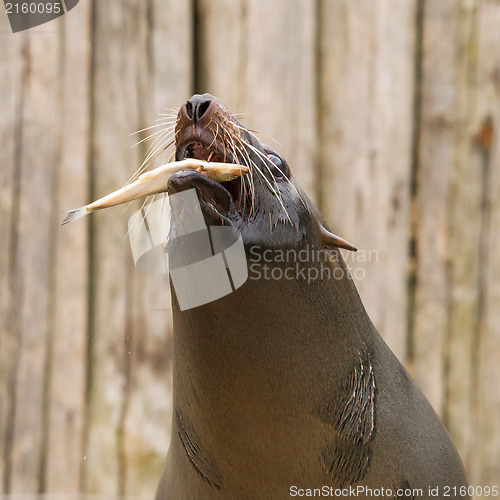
(276, 166)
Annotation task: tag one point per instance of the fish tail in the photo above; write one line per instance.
(74, 215)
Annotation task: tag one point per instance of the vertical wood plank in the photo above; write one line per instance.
(437, 155)
(11, 67)
(463, 233)
(222, 53)
(149, 404)
(366, 119)
(171, 51)
(118, 49)
(65, 429)
(31, 304)
(486, 459)
(453, 336)
(148, 407)
(264, 64)
(449, 285)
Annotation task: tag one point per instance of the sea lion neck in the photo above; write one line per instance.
(253, 363)
(261, 334)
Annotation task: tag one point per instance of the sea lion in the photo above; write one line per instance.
(284, 387)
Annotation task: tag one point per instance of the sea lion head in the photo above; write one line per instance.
(266, 206)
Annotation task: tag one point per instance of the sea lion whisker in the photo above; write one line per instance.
(207, 126)
(174, 117)
(148, 161)
(171, 143)
(226, 134)
(243, 187)
(223, 142)
(253, 133)
(143, 165)
(236, 137)
(157, 143)
(152, 126)
(267, 160)
(216, 135)
(142, 212)
(149, 137)
(163, 203)
(276, 193)
(171, 110)
(165, 125)
(228, 141)
(250, 164)
(127, 206)
(232, 138)
(163, 143)
(240, 156)
(136, 216)
(243, 184)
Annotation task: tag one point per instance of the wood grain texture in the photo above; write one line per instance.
(395, 145)
(32, 272)
(436, 159)
(63, 446)
(263, 63)
(366, 120)
(119, 32)
(485, 459)
(141, 72)
(166, 83)
(11, 75)
(171, 49)
(463, 234)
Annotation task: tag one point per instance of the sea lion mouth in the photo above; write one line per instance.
(209, 151)
(206, 130)
(203, 151)
(215, 200)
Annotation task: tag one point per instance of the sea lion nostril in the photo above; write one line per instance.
(202, 109)
(197, 107)
(189, 110)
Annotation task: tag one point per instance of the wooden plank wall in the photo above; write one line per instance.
(387, 112)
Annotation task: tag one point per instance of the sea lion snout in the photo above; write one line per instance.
(199, 109)
(199, 128)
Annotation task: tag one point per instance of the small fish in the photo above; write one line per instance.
(155, 181)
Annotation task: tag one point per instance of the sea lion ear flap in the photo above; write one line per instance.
(332, 240)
